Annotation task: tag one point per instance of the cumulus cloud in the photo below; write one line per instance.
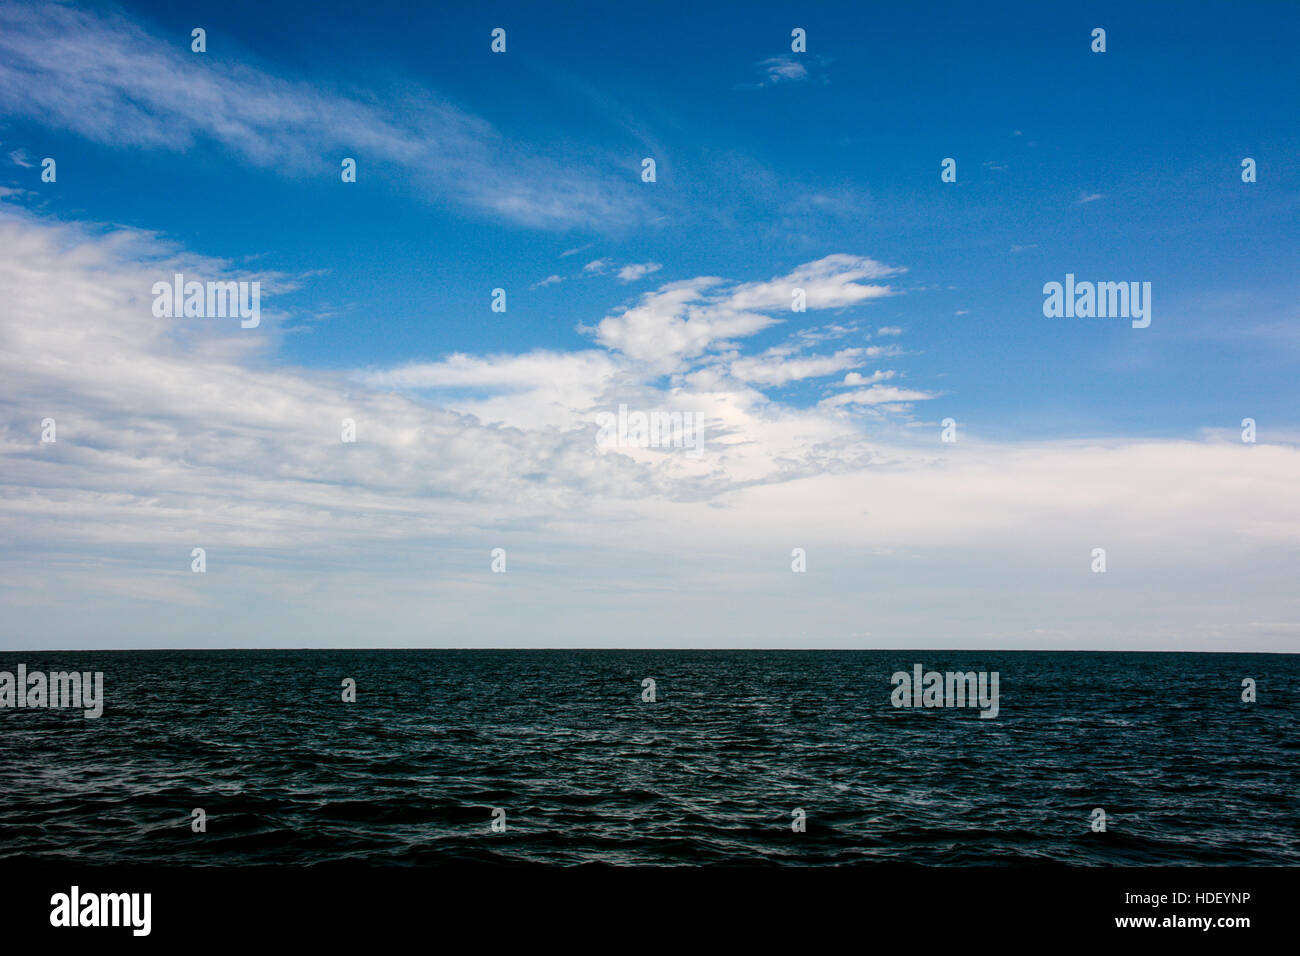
(634, 271)
(678, 321)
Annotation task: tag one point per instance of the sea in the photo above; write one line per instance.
(653, 757)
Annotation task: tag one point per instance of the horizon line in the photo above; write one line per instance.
(936, 650)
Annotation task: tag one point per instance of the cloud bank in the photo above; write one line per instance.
(174, 434)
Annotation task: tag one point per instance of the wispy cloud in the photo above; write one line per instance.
(855, 379)
(778, 368)
(788, 69)
(783, 69)
(684, 319)
(631, 272)
(876, 395)
(106, 79)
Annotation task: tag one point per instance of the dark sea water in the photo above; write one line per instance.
(709, 773)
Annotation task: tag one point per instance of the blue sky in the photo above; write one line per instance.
(521, 171)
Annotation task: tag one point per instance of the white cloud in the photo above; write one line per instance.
(875, 395)
(832, 282)
(831, 332)
(533, 369)
(777, 369)
(856, 379)
(533, 390)
(683, 320)
(678, 321)
(633, 272)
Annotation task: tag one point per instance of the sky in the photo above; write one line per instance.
(774, 170)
